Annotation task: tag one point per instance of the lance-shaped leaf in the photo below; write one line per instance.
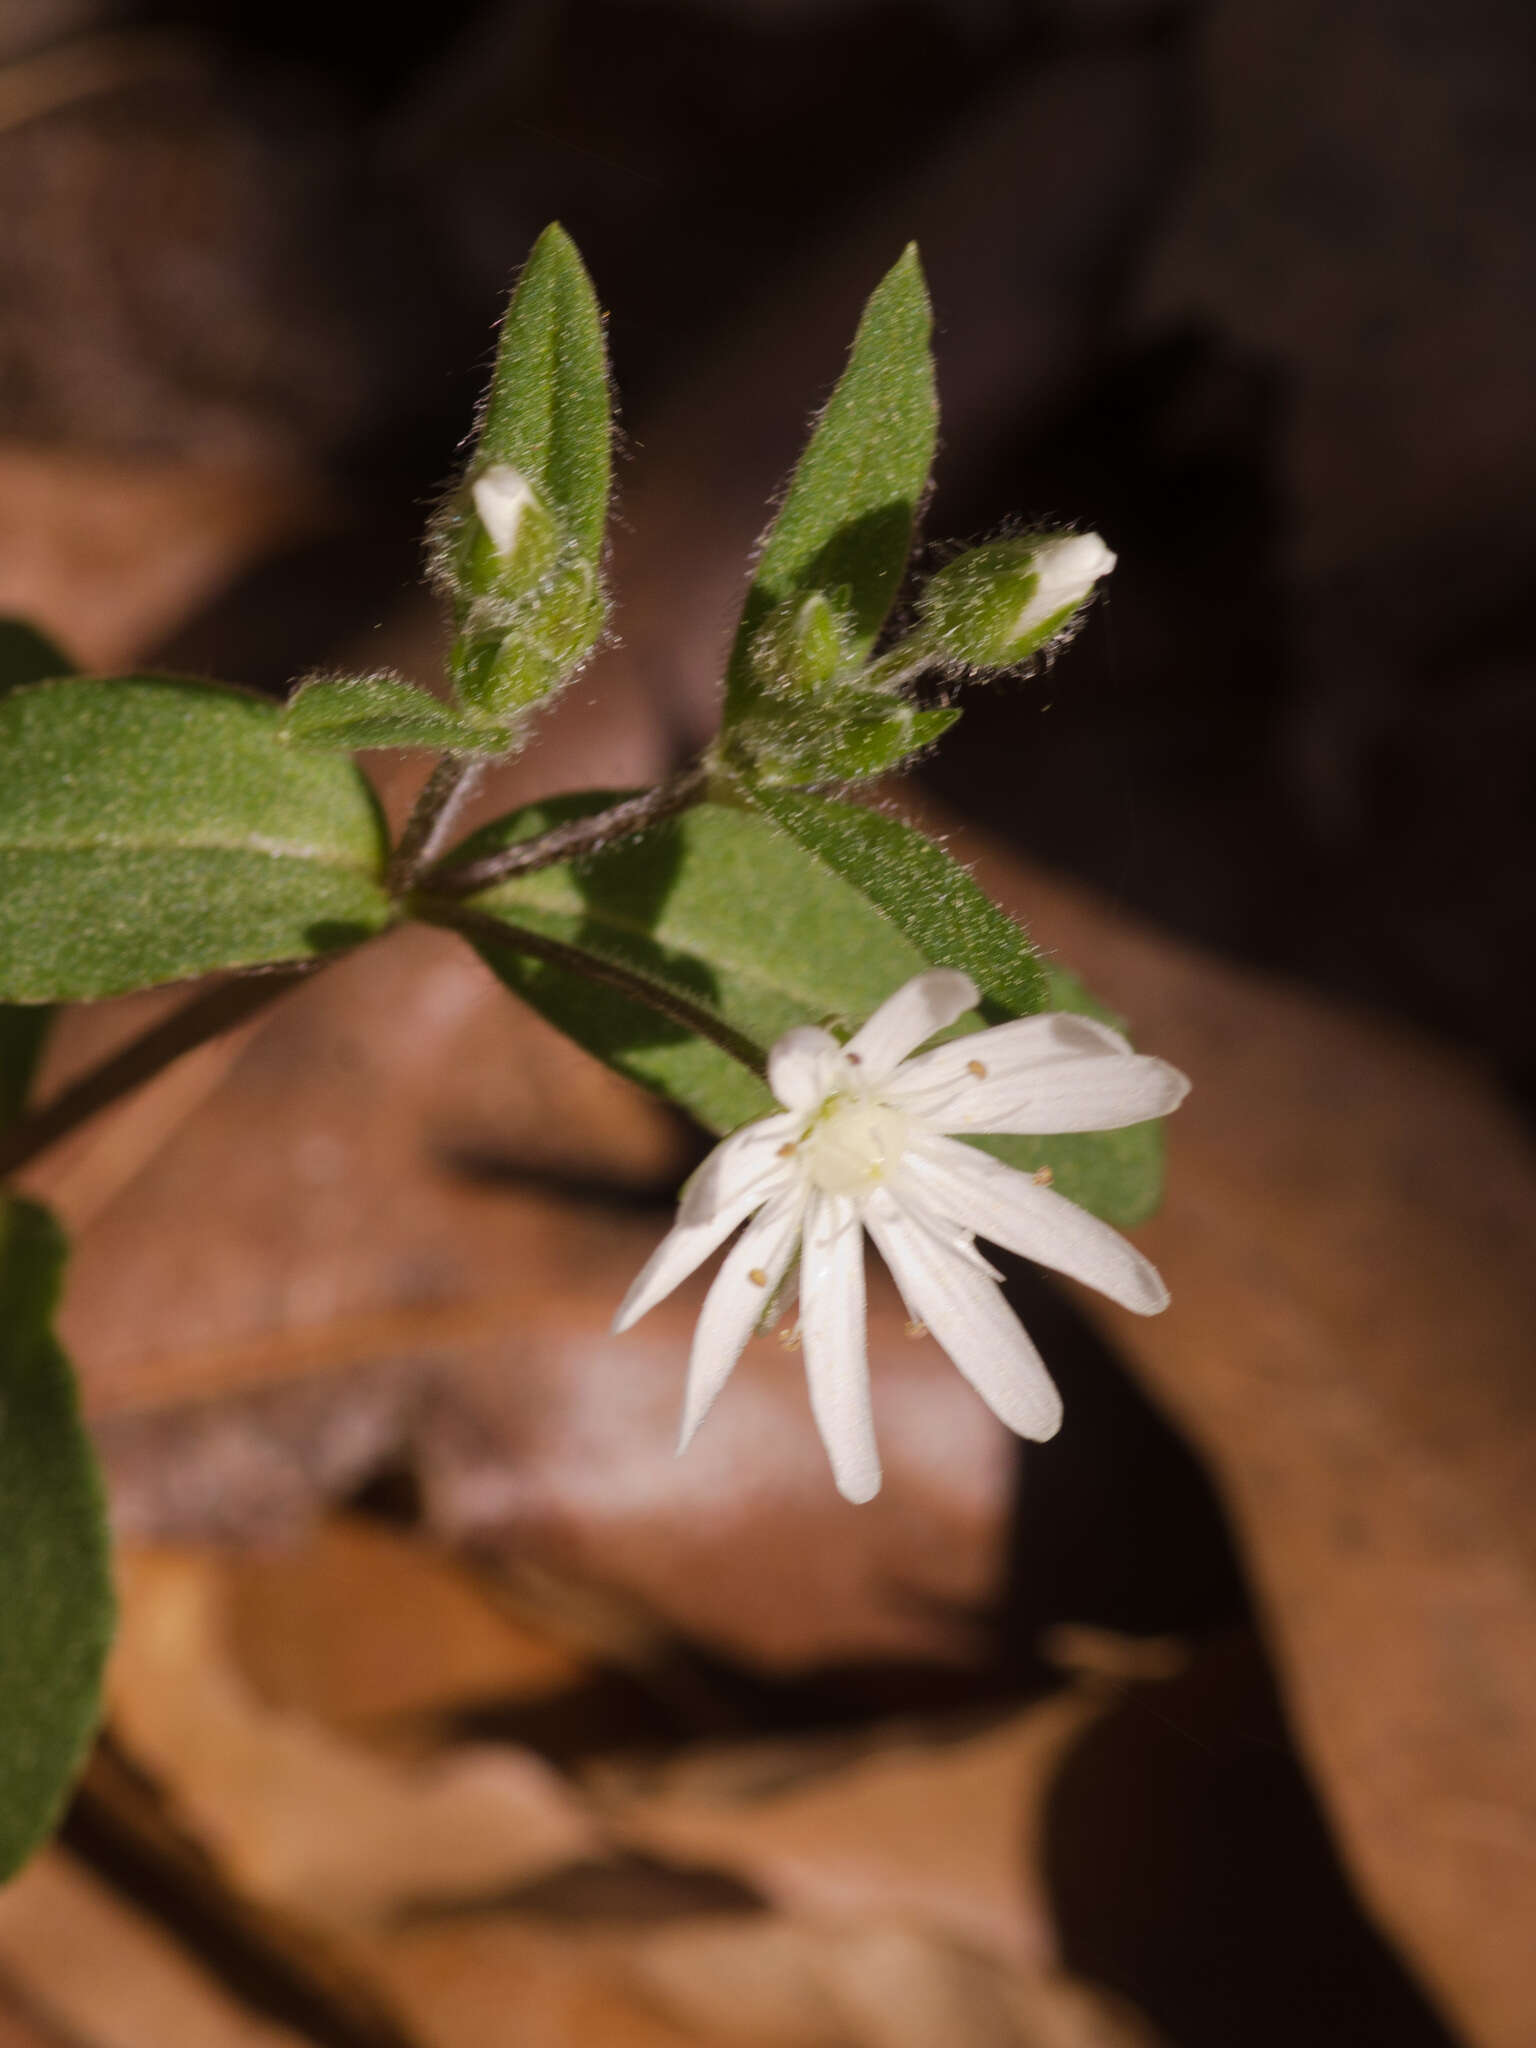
(56, 1603)
(153, 829)
(934, 902)
(713, 913)
(845, 526)
(335, 714)
(547, 414)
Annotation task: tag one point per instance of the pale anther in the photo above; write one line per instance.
(758, 1277)
(1043, 1176)
(975, 1067)
(917, 1329)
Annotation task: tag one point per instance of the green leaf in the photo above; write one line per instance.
(934, 902)
(715, 907)
(56, 1622)
(845, 527)
(154, 829)
(27, 656)
(925, 894)
(338, 714)
(548, 411)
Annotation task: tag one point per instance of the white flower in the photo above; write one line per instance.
(861, 1145)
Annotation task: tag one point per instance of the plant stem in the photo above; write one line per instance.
(577, 836)
(205, 1016)
(445, 790)
(495, 933)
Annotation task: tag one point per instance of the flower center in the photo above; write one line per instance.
(854, 1144)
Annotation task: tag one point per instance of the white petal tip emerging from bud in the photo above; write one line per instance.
(1067, 570)
(502, 498)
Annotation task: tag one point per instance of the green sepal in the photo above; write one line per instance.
(975, 612)
(510, 654)
(155, 829)
(56, 1622)
(848, 740)
(845, 527)
(716, 907)
(340, 714)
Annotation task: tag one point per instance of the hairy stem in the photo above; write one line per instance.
(205, 1016)
(496, 932)
(577, 836)
(442, 795)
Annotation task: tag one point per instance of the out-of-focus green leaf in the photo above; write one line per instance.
(845, 527)
(342, 713)
(55, 1587)
(715, 907)
(153, 829)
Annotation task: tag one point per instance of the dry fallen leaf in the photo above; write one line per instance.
(938, 1834)
(97, 1973)
(295, 1815)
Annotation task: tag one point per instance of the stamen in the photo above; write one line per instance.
(789, 1337)
(758, 1277)
(915, 1329)
(787, 1151)
(1043, 1176)
(854, 1059)
(975, 1067)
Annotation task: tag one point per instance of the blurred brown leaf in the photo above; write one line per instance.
(941, 1834)
(97, 1973)
(295, 1815)
(1347, 1235)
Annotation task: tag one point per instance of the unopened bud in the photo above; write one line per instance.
(800, 646)
(997, 605)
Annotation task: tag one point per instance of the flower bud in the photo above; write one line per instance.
(799, 647)
(996, 605)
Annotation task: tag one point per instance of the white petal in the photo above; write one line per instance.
(1012, 1210)
(832, 1332)
(742, 1289)
(741, 1166)
(1056, 1072)
(1067, 570)
(740, 1175)
(799, 1066)
(920, 1007)
(968, 1316)
(502, 498)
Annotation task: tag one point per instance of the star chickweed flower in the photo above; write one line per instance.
(864, 1143)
